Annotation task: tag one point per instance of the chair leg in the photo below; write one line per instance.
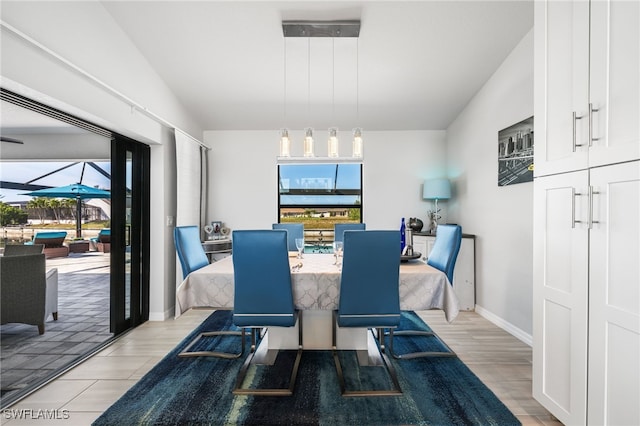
(396, 390)
(448, 353)
(239, 390)
(187, 354)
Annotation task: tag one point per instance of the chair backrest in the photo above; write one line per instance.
(50, 239)
(22, 249)
(104, 236)
(369, 286)
(339, 228)
(445, 250)
(189, 249)
(263, 295)
(294, 230)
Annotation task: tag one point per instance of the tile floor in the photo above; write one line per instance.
(82, 394)
(83, 324)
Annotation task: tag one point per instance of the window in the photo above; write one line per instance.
(320, 195)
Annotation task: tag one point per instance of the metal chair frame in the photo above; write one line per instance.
(240, 390)
(396, 390)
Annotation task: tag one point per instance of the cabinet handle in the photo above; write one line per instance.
(574, 194)
(591, 111)
(591, 194)
(575, 119)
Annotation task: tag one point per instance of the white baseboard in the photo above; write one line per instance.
(506, 326)
(162, 316)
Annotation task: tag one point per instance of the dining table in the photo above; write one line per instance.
(315, 282)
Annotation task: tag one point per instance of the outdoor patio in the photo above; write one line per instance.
(83, 323)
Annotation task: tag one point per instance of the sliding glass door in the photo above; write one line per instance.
(129, 234)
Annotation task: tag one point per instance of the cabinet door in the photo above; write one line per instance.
(560, 267)
(562, 86)
(464, 275)
(614, 296)
(615, 81)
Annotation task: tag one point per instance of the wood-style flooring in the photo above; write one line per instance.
(501, 361)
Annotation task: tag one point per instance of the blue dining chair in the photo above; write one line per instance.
(189, 249)
(442, 257)
(263, 296)
(192, 257)
(339, 228)
(294, 230)
(369, 296)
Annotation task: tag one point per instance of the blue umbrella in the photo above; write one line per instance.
(78, 191)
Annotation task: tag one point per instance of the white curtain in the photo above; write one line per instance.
(191, 175)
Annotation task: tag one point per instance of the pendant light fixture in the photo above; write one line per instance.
(308, 132)
(357, 132)
(285, 142)
(332, 142)
(310, 29)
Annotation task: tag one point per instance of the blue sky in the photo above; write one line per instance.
(320, 176)
(22, 172)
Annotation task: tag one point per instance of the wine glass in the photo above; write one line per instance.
(300, 246)
(337, 249)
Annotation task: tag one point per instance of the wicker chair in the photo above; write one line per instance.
(29, 293)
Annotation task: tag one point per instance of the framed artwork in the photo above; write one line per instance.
(515, 153)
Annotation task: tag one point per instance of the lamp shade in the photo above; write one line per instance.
(436, 189)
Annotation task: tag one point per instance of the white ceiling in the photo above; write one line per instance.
(415, 65)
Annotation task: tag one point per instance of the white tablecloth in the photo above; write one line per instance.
(316, 286)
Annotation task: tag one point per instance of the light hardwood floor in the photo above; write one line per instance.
(500, 360)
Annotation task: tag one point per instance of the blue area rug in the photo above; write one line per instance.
(197, 391)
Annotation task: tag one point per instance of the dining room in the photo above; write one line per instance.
(225, 100)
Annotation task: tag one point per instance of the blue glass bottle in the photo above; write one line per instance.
(403, 238)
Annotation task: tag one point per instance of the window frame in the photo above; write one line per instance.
(322, 192)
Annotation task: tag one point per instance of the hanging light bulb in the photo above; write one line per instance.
(357, 132)
(357, 143)
(308, 142)
(285, 143)
(332, 143)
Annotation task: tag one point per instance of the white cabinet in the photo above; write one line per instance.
(464, 276)
(586, 295)
(560, 295)
(614, 296)
(587, 107)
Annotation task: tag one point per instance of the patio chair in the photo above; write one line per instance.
(369, 297)
(263, 297)
(103, 241)
(442, 257)
(29, 293)
(53, 243)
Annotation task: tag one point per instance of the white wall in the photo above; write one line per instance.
(243, 175)
(106, 53)
(500, 217)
